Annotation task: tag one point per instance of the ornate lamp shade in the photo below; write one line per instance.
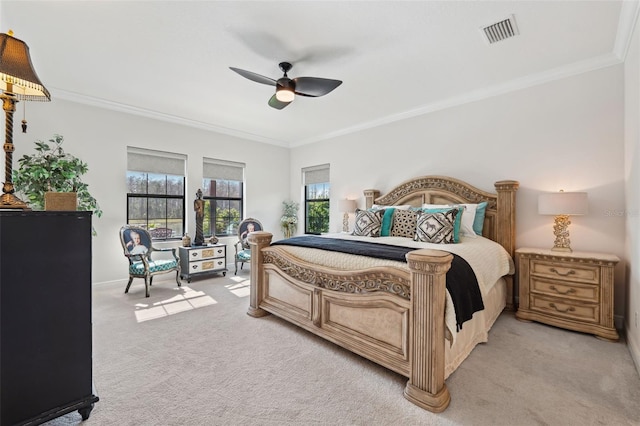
(18, 81)
(562, 205)
(17, 75)
(346, 206)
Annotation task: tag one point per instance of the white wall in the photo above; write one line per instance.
(632, 175)
(566, 134)
(100, 137)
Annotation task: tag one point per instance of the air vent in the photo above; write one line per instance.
(500, 30)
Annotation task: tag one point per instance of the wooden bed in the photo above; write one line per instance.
(406, 335)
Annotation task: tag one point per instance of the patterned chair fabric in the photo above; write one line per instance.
(138, 249)
(243, 251)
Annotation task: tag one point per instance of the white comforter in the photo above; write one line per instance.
(488, 259)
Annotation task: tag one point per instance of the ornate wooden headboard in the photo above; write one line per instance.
(500, 216)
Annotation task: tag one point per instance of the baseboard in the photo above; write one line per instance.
(634, 350)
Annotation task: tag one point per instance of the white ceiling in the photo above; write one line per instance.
(170, 60)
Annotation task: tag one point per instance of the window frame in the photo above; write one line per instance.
(214, 171)
(150, 164)
(311, 176)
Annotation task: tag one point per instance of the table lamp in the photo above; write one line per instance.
(346, 206)
(562, 205)
(18, 81)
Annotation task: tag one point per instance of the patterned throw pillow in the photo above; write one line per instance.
(368, 223)
(436, 227)
(404, 223)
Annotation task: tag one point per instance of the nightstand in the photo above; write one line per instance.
(568, 290)
(197, 260)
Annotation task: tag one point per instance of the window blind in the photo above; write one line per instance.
(221, 169)
(150, 161)
(315, 174)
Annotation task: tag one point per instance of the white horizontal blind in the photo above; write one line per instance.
(221, 169)
(315, 174)
(150, 161)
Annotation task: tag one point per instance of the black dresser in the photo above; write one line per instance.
(45, 316)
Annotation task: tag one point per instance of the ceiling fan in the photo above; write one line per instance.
(287, 88)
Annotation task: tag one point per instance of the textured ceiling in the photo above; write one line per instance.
(170, 60)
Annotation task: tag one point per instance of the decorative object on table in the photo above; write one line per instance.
(198, 206)
(186, 241)
(18, 81)
(289, 219)
(243, 251)
(562, 205)
(51, 173)
(138, 249)
(213, 240)
(346, 206)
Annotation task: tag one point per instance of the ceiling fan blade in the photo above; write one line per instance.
(275, 103)
(314, 86)
(254, 77)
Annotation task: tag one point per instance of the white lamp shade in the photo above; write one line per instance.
(347, 206)
(563, 203)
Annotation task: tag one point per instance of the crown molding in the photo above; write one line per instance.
(559, 73)
(129, 109)
(629, 12)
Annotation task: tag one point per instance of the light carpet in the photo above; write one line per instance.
(192, 356)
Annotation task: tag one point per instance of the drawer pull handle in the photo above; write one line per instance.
(571, 290)
(570, 272)
(194, 254)
(569, 309)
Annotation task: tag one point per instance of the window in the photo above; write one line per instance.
(155, 192)
(222, 188)
(316, 199)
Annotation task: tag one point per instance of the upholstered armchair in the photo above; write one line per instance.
(243, 252)
(138, 249)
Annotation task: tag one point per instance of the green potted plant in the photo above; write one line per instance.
(51, 170)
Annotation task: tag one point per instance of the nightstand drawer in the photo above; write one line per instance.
(566, 271)
(206, 253)
(206, 265)
(565, 289)
(563, 308)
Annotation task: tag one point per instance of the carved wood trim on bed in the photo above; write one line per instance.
(367, 311)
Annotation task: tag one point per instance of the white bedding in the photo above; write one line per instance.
(488, 259)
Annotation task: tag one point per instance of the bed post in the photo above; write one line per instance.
(369, 197)
(257, 241)
(506, 228)
(426, 387)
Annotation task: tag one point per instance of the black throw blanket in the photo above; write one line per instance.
(461, 280)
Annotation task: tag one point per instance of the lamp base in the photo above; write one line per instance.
(561, 231)
(345, 222)
(10, 201)
(564, 249)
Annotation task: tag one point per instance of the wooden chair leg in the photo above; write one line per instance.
(147, 283)
(126, 290)
(178, 279)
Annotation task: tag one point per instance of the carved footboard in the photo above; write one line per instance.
(391, 317)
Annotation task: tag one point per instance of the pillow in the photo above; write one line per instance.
(368, 223)
(468, 216)
(404, 224)
(436, 227)
(456, 224)
(387, 220)
(478, 222)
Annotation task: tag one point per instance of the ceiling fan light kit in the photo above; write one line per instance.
(287, 88)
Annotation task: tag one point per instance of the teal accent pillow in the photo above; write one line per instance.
(456, 224)
(478, 221)
(387, 221)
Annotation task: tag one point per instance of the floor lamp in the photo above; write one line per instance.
(18, 81)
